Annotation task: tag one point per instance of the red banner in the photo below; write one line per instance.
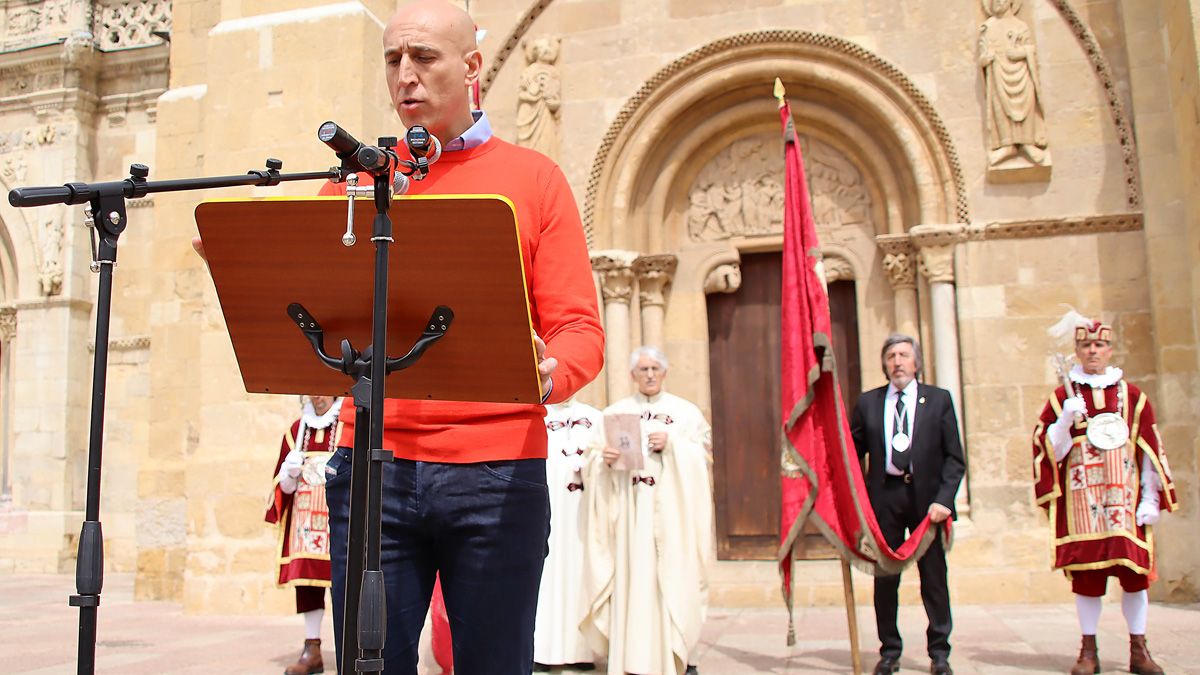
(822, 477)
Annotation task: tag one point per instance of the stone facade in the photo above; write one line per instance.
(668, 133)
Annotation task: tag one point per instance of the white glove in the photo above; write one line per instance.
(1148, 510)
(289, 471)
(1147, 513)
(1070, 408)
(1059, 433)
(292, 464)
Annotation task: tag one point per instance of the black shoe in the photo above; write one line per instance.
(583, 666)
(887, 665)
(941, 667)
(691, 670)
(540, 667)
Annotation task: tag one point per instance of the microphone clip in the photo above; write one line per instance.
(425, 149)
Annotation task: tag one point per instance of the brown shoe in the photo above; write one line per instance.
(1089, 660)
(1140, 662)
(310, 660)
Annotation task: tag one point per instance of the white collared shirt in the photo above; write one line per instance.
(889, 418)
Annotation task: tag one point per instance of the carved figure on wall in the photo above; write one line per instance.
(50, 276)
(740, 192)
(725, 278)
(13, 169)
(1015, 116)
(539, 98)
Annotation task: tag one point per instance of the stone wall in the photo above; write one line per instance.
(655, 93)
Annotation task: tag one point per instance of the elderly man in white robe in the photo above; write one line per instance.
(571, 427)
(649, 531)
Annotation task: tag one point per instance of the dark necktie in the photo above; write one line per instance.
(900, 459)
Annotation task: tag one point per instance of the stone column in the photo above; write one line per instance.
(654, 275)
(616, 288)
(8, 332)
(935, 258)
(899, 262)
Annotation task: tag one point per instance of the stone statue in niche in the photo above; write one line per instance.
(50, 276)
(539, 98)
(1016, 120)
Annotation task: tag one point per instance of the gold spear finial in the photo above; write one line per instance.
(779, 92)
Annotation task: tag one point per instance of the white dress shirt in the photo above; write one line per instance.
(889, 418)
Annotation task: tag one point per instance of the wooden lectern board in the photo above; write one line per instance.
(460, 251)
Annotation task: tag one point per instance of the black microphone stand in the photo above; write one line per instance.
(106, 214)
(364, 618)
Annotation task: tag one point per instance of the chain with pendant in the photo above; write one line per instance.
(1106, 431)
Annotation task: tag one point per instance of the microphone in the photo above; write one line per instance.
(354, 154)
(421, 144)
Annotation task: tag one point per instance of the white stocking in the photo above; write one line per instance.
(312, 623)
(1089, 613)
(1134, 606)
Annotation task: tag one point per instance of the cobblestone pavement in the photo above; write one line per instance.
(38, 635)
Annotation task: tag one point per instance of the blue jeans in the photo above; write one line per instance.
(484, 527)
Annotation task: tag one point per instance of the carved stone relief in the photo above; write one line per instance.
(725, 278)
(1016, 120)
(837, 268)
(539, 98)
(13, 169)
(50, 267)
(739, 193)
(900, 270)
(8, 324)
(36, 17)
(38, 23)
(121, 25)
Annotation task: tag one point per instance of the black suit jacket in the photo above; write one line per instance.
(937, 459)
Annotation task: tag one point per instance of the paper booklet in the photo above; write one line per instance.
(624, 433)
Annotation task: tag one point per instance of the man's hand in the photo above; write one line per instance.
(1147, 514)
(1071, 407)
(610, 455)
(938, 513)
(546, 366)
(292, 464)
(198, 247)
(657, 441)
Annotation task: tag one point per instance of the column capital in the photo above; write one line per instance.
(654, 274)
(8, 323)
(616, 275)
(935, 250)
(899, 260)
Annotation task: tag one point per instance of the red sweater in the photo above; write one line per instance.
(562, 301)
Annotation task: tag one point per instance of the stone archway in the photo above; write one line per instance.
(725, 87)
(868, 120)
(692, 169)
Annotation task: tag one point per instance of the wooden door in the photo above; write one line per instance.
(744, 362)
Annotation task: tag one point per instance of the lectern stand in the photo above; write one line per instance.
(285, 282)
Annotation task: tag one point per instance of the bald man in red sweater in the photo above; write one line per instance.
(466, 496)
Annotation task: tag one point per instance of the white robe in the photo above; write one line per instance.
(570, 428)
(647, 546)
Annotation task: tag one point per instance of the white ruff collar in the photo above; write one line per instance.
(1108, 378)
(313, 421)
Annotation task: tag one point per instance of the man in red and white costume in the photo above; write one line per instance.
(1101, 473)
(298, 506)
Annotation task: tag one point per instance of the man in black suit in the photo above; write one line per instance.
(909, 433)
